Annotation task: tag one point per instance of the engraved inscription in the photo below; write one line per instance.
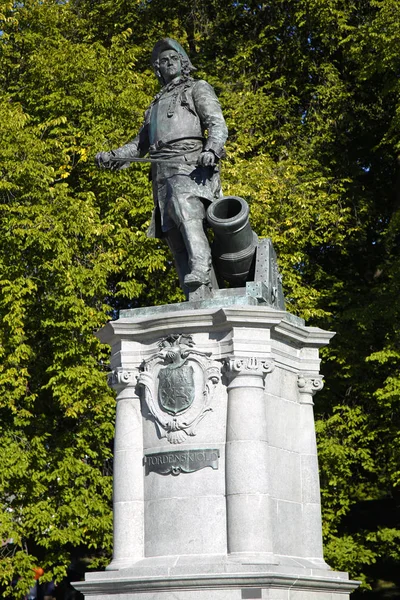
(181, 461)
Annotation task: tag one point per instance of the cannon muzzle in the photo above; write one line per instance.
(235, 242)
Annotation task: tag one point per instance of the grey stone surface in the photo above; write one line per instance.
(255, 522)
(288, 531)
(282, 383)
(249, 523)
(246, 462)
(306, 431)
(309, 479)
(311, 527)
(247, 415)
(282, 423)
(128, 541)
(221, 586)
(285, 474)
(127, 488)
(307, 595)
(250, 564)
(194, 525)
(211, 482)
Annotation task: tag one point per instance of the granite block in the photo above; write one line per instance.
(312, 531)
(288, 530)
(129, 486)
(246, 414)
(128, 530)
(249, 523)
(282, 423)
(275, 594)
(306, 439)
(284, 474)
(245, 342)
(215, 534)
(310, 492)
(246, 463)
(129, 425)
(195, 525)
(282, 383)
(310, 595)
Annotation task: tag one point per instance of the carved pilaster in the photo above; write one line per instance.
(249, 523)
(308, 385)
(128, 467)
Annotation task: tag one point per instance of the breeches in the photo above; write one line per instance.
(183, 197)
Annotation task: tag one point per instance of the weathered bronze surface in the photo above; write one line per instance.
(181, 461)
(178, 385)
(183, 134)
(176, 388)
(186, 175)
(235, 243)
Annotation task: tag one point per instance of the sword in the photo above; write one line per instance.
(153, 160)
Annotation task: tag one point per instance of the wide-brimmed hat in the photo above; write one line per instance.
(169, 44)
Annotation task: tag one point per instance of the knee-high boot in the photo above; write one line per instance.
(177, 246)
(199, 253)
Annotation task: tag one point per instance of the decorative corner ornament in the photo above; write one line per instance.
(308, 385)
(121, 377)
(250, 365)
(178, 384)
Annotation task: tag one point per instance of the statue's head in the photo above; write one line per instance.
(172, 55)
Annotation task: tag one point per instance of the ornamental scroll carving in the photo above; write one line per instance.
(178, 384)
(250, 364)
(308, 385)
(122, 377)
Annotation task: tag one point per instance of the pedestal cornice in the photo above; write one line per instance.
(285, 325)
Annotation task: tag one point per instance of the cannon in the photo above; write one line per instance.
(234, 246)
(239, 257)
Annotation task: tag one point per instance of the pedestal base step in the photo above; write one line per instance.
(248, 581)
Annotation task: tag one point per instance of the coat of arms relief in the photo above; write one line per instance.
(178, 384)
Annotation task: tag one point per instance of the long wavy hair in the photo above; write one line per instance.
(186, 68)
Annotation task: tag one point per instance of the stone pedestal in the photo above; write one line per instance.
(216, 487)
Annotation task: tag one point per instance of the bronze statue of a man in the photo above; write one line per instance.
(186, 180)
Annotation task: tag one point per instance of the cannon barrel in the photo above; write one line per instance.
(235, 242)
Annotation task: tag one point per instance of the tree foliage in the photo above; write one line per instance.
(311, 93)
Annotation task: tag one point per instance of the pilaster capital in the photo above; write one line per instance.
(121, 378)
(308, 385)
(253, 365)
(249, 365)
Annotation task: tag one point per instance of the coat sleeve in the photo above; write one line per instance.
(139, 146)
(210, 114)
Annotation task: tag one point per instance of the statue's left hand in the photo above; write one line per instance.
(206, 159)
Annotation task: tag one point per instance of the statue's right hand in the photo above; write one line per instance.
(102, 160)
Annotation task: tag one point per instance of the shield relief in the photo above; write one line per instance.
(178, 384)
(176, 388)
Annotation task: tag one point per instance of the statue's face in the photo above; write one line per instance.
(169, 65)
